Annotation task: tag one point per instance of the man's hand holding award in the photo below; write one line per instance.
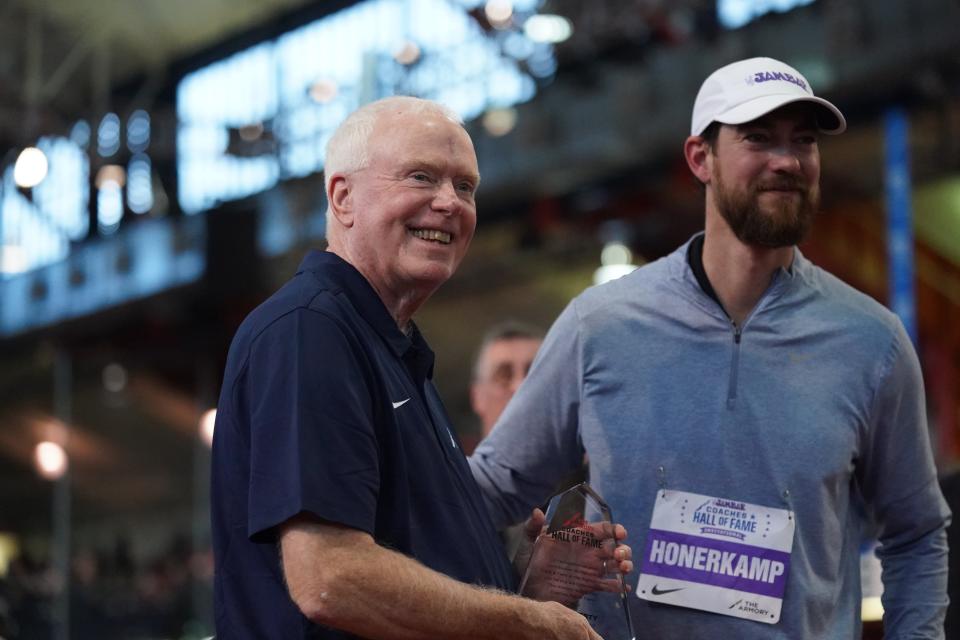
(577, 561)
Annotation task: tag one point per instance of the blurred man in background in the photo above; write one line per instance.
(342, 504)
(502, 362)
(738, 403)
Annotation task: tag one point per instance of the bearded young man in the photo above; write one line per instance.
(742, 408)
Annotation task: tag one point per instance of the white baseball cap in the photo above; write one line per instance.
(745, 90)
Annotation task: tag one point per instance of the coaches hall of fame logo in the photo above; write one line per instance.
(728, 518)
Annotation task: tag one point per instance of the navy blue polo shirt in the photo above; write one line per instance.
(328, 408)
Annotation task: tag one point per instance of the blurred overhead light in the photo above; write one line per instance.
(615, 260)
(609, 272)
(207, 422)
(548, 28)
(111, 175)
(109, 205)
(50, 460)
(871, 609)
(733, 14)
(500, 122)
(408, 53)
(518, 46)
(138, 131)
(31, 168)
(542, 65)
(251, 132)
(80, 134)
(13, 258)
(140, 184)
(616, 253)
(108, 135)
(323, 91)
(114, 377)
(271, 79)
(499, 12)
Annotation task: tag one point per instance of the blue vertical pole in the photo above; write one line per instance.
(900, 220)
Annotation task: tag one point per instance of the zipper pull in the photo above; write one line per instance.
(736, 332)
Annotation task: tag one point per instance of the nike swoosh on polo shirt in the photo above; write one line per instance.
(399, 404)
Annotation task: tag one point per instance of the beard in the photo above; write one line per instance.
(772, 225)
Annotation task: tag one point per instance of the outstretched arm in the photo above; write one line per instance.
(341, 578)
(536, 441)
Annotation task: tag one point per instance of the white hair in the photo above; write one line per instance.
(347, 149)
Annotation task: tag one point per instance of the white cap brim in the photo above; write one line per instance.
(829, 118)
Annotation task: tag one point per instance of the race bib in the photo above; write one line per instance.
(717, 555)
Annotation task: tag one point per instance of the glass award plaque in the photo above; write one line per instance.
(572, 563)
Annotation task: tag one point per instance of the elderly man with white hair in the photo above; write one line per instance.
(342, 503)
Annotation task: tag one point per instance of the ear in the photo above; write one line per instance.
(697, 153)
(340, 199)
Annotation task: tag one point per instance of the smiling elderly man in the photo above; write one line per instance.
(342, 504)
